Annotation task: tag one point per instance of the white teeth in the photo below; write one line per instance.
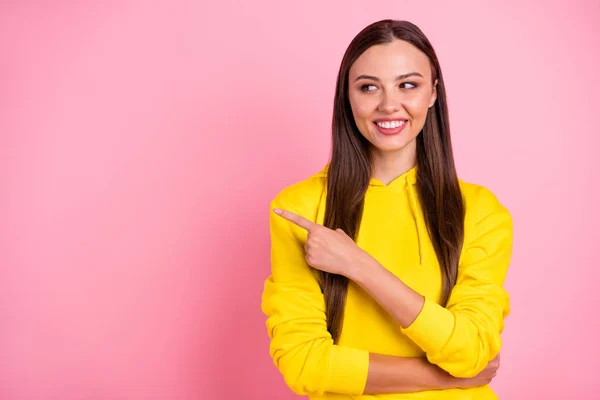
(390, 125)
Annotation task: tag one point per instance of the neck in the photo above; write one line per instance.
(389, 165)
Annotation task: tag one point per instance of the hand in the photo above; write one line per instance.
(483, 378)
(327, 250)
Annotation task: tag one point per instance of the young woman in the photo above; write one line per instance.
(387, 270)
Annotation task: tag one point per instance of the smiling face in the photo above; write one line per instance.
(390, 91)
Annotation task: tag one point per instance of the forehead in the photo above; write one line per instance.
(388, 60)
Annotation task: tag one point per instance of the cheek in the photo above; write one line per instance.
(362, 107)
(417, 106)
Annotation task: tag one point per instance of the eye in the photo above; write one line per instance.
(412, 85)
(365, 88)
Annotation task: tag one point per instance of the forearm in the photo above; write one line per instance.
(390, 374)
(399, 300)
(460, 342)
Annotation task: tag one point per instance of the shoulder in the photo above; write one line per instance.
(480, 200)
(483, 208)
(302, 197)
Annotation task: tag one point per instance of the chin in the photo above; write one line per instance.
(391, 149)
(392, 144)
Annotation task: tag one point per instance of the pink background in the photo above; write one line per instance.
(141, 143)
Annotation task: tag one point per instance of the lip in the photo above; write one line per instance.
(387, 119)
(391, 131)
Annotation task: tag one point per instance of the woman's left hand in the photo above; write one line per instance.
(326, 249)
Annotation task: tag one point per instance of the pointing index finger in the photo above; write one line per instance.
(296, 219)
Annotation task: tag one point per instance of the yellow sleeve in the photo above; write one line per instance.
(463, 337)
(301, 347)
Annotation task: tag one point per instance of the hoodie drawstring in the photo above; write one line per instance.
(414, 209)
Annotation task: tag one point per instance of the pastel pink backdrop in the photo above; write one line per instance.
(141, 143)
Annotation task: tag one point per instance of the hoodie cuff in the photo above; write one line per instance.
(348, 370)
(432, 327)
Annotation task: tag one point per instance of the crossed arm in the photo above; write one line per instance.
(460, 339)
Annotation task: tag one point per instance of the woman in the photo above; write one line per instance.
(387, 270)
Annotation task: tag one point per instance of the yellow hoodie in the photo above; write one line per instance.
(460, 338)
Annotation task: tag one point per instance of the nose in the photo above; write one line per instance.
(390, 103)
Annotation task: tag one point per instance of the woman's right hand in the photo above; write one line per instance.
(483, 378)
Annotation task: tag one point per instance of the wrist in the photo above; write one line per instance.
(361, 267)
(444, 380)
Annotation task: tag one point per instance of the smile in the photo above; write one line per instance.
(390, 127)
(390, 124)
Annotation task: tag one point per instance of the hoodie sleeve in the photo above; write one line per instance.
(463, 337)
(301, 347)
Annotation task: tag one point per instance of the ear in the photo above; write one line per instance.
(433, 94)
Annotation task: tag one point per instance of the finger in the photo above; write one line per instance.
(296, 219)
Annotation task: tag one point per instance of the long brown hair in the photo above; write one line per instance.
(349, 172)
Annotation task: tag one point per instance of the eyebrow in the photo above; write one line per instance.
(399, 77)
